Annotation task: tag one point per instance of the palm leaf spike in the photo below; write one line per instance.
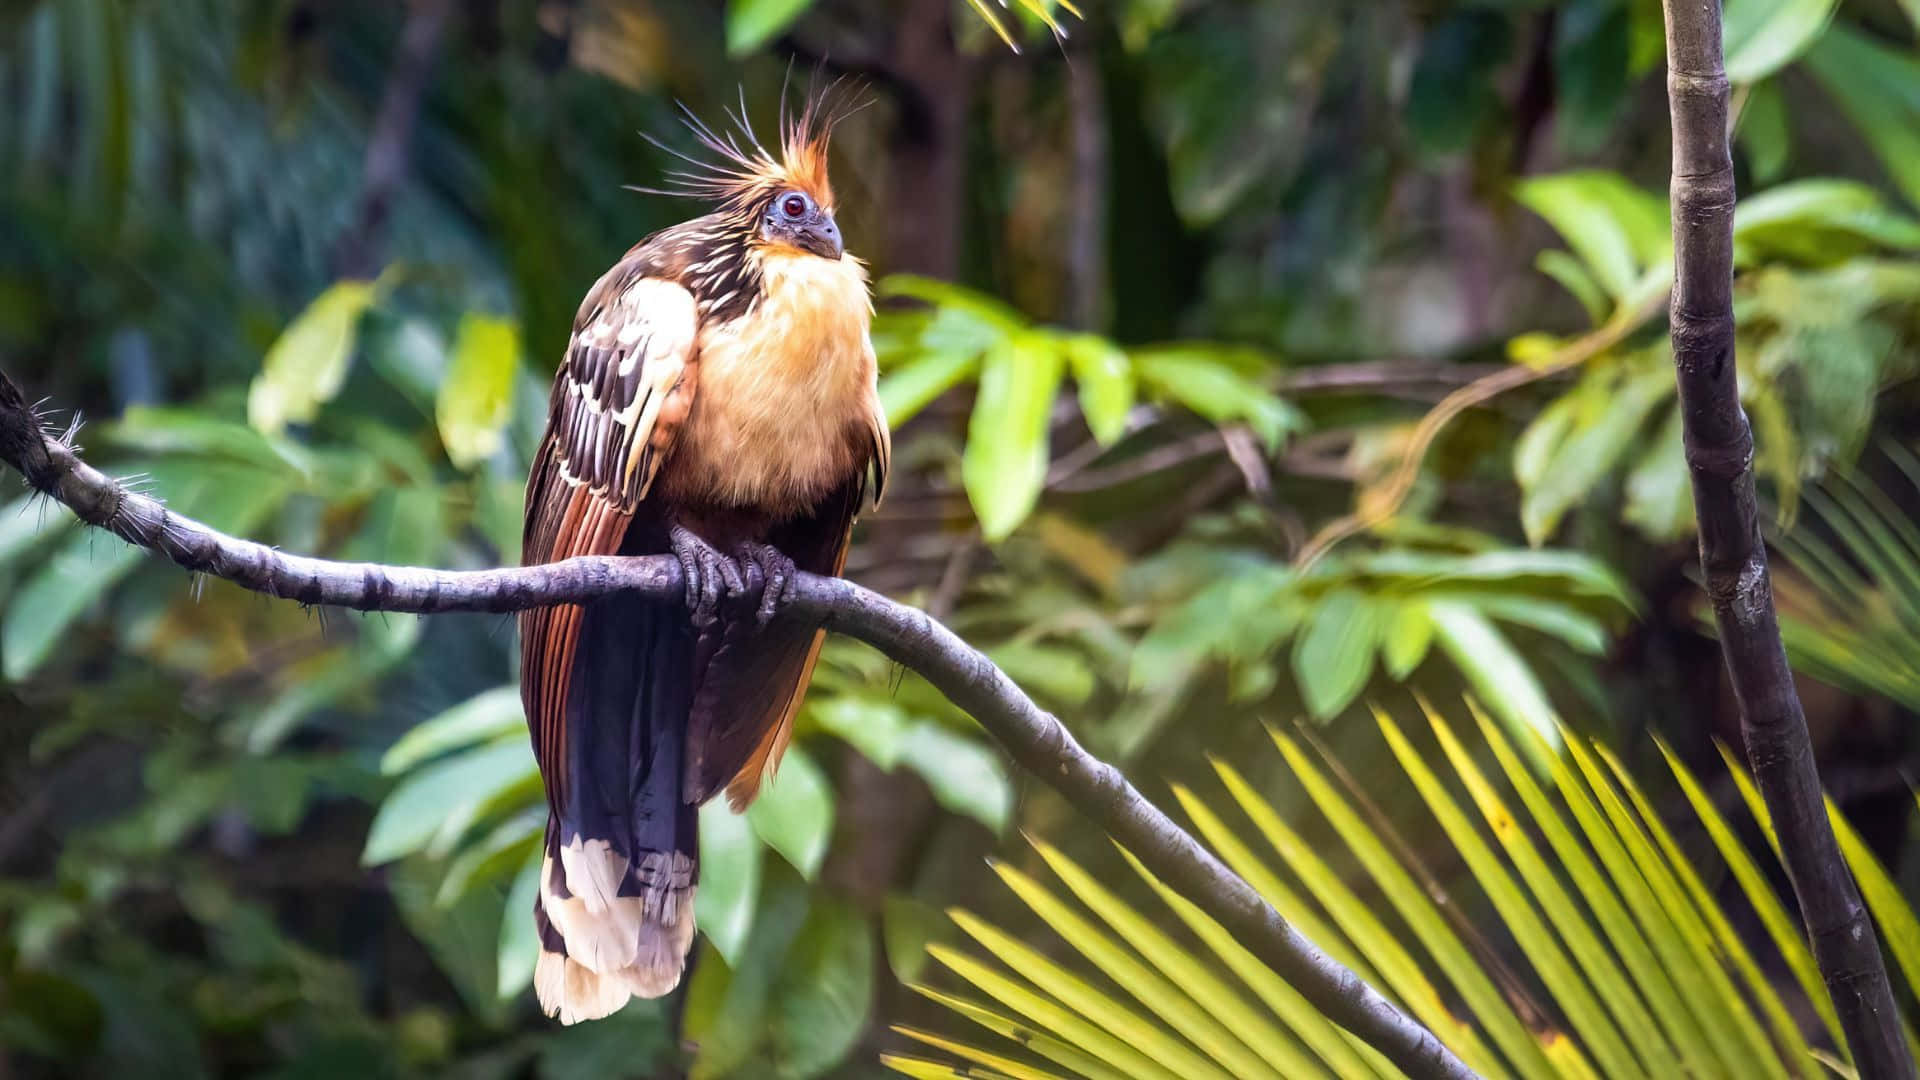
(1170, 1003)
(1490, 959)
(999, 1064)
(1568, 914)
(1773, 914)
(922, 1069)
(1788, 1042)
(1401, 974)
(1060, 1053)
(1080, 996)
(1496, 1015)
(1348, 1056)
(1735, 1032)
(1069, 1025)
(1278, 1048)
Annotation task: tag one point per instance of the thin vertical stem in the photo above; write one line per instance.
(1719, 448)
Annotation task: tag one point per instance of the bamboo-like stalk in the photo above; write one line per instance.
(1719, 448)
(1034, 738)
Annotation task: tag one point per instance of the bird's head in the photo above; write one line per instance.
(783, 202)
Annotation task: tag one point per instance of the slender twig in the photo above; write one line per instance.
(1033, 737)
(386, 163)
(1719, 449)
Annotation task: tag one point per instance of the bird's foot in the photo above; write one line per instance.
(774, 572)
(711, 577)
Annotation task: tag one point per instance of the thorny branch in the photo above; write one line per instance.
(1719, 449)
(1033, 737)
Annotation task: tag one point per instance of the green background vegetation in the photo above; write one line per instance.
(1251, 363)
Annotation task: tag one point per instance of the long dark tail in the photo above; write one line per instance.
(615, 906)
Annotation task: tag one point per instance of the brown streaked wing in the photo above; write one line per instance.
(626, 382)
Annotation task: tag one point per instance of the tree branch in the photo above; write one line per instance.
(1034, 738)
(1719, 448)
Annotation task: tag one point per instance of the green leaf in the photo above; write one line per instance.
(1616, 229)
(823, 992)
(1763, 36)
(483, 717)
(1333, 656)
(1659, 490)
(794, 813)
(1496, 672)
(729, 879)
(1590, 452)
(476, 399)
(418, 809)
(1208, 384)
(966, 777)
(904, 391)
(873, 727)
(1005, 463)
(907, 927)
(504, 846)
(1105, 380)
(1407, 639)
(1764, 133)
(1051, 672)
(753, 23)
(306, 366)
(1878, 89)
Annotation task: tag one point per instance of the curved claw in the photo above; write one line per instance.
(777, 571)
(706, 571)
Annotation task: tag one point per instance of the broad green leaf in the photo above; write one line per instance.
(306, 366)
(1591, 451)
(1407, 639)
(1572, 274)
(483, 717)
(1659, 489)
(1081, 996)
(907, 927)
(1878, 89)
(966, 776)
(729, 879)
(476, 399)
(519, 941)
(1576, 628)
(1763, 131)
(1250, 1029)
(1005, 461)
(1053, 673)
(1615, 228)
(1333, 655)
(1763, 36)
(1104, 377)
(873, 727)
(1498, 674)
(1040, 1010)
(415, 811)
(982, 310)
(729, 1009)
(29, 522)
(904, 391)
(504, 847)
(753, 23)
(1212, 387)
(794, 813)
(823, 992)
(1534, 450)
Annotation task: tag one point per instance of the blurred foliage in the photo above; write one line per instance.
(1637, 970)
(1223, 285)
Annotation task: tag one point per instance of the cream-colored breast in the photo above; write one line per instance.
(785, 394)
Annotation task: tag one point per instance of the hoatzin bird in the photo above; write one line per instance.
(716, 401)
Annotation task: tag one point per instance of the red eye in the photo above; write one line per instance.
(794, 206)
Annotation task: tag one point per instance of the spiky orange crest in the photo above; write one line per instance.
(745, 174)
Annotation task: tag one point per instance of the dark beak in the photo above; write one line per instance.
(821, 238)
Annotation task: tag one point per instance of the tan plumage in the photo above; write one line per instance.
(719, 380)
